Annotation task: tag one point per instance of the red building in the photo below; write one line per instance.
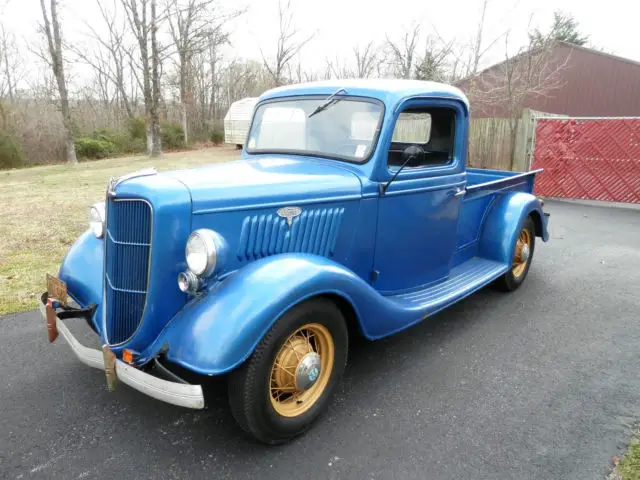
(587, 83)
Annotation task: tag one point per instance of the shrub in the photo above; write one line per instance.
(135, 145)
(93, 148)
(121, 140)
(10, 153)
(137, 128)
(217, 137)
(172, 136)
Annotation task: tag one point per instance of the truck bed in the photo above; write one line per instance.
(483, 187)
(495, 180)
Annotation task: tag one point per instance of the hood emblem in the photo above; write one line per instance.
(115, 181)
(289, 213)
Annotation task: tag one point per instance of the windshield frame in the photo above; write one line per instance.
(318, 154)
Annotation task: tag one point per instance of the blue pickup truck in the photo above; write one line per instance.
(351, 212)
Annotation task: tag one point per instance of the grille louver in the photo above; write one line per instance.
(127, 251)
(314, 231)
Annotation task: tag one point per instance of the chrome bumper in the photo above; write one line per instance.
(181, 394)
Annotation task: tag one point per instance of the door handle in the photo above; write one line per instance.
(460, 192)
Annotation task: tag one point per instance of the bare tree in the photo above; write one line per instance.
(156, 147)
(289, 44)
(479, 47)
(477, 42)
(11, 64)
(53, 33)
(109, 57)
(366, 58)
(143, 24)
(188, 25)
(534, 71)
(196, 26)
(433, 63)
(338, 68)
(402, 54)
(215, 40)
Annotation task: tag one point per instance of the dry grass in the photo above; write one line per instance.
(44, 209)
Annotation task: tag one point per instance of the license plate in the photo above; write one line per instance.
(57, 289)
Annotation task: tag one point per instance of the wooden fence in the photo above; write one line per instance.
(490, 143)
(496, 145)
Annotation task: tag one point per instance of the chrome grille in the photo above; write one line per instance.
(314, 231)
(127, 252)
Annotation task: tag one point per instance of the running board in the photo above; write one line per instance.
(465, 279)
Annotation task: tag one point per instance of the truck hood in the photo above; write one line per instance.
(265, 181)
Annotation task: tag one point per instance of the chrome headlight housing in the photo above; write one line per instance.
(203, 252)
(97, 219)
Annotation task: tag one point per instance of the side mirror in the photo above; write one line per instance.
(413, 155)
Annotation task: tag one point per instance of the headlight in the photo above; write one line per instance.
(96, 219)
(201, 252)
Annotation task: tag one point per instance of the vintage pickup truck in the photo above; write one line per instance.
(350, 212)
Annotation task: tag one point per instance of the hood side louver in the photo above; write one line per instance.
(314, 231)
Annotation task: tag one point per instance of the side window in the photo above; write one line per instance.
(432, 129)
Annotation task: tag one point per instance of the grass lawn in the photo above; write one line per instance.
(44, 209)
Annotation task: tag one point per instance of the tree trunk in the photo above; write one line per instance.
(54, 40)
(156, 147)
(125, 101)
(183, 93)
(184, 122)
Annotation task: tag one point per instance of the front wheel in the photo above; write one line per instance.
(287, 382)
(522, 256)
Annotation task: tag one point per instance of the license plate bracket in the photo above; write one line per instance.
(57, 289)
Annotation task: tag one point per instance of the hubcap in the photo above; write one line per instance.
(522, 253)
(301, 370)
(308, 371)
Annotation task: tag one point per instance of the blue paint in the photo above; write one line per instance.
(395, 259)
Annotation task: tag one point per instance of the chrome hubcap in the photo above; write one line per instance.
(308, 371)
(524, 253)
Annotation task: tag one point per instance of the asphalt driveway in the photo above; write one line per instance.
(542, 383)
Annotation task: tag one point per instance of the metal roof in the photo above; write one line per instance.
(590, 83)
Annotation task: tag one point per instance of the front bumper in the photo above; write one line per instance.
(176, 393)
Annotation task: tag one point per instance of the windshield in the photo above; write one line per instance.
(346, 129)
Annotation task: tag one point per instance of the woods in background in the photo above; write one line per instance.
(157, 75)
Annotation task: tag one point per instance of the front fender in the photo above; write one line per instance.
(504, 222)
(82, 271)
(217, 331)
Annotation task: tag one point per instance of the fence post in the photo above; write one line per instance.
(519, 163)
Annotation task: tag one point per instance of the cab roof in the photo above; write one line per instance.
(389, 91)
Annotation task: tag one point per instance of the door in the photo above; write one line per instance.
(418, 213)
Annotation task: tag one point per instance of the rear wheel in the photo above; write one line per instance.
(522, 257)
(287, 382)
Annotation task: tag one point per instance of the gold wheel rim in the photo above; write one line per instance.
(287, 398)
(520, 263)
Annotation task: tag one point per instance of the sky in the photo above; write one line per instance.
(338, 25)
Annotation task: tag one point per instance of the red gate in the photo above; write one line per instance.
(591, 159)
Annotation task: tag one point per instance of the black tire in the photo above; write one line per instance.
(509, 281)
(249, 385)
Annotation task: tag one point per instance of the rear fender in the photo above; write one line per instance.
(504, 222)
(217, 331)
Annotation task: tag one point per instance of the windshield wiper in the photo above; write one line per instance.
(331, 100)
